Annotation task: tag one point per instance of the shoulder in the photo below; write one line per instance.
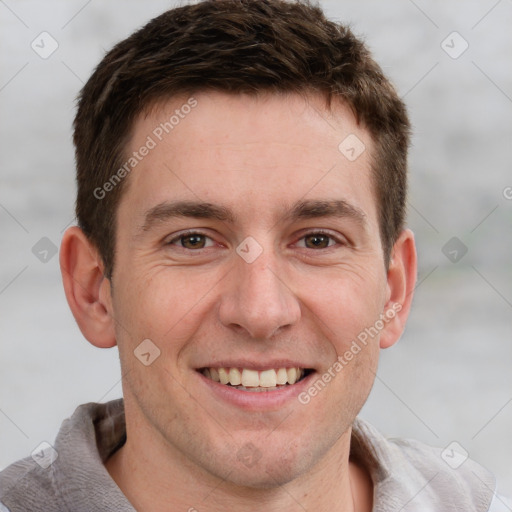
(27, 484)
(408, 473)
(71, 474)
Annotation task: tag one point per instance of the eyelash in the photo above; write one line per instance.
(199, 233)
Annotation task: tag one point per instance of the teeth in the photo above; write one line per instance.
(282, 376)
(268, 379)
(235, 377)
(223, 376)
(252, 379)
(292, 375)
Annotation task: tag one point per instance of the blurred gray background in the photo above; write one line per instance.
(448, 379)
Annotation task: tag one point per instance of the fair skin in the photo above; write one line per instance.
(300, 303)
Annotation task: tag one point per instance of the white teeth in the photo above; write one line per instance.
(292, 375)
(281, 376)
(268, 379)
(252, 379)
(223, 376)
(235, 377)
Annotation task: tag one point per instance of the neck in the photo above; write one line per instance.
(157, 478)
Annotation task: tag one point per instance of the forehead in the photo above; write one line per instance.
(250, 154)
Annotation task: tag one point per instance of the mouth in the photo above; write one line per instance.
(246, 379)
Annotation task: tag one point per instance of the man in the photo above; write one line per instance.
(241, 170)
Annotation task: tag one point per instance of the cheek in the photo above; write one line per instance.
(154, 312)
(343, 304)
(161, 302)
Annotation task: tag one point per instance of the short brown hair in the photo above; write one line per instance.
(233, 46)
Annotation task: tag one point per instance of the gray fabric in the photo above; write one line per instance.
(408, 476)
(77, 481)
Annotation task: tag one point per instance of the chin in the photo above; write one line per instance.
(263, 478)
(254, 469)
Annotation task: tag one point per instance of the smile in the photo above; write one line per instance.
(246, 379)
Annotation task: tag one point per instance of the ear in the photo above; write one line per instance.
(401, 282)
(87, 290)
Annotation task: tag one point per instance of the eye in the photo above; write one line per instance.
(319, 240)
(192, 240)
(195, 240)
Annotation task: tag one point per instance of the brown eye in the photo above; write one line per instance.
(193, 241)
(317, 241)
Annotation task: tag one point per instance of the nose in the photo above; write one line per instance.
(257, 299)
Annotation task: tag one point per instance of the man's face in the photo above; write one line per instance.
(283, 269)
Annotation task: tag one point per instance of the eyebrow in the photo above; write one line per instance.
(310, 209)
(197, 210)
(332, 208)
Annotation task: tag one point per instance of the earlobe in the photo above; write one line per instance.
(87, 289)
(401, 282)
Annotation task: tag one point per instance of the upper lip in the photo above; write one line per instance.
(256, 365)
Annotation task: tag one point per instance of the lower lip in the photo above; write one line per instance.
(257, 400)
